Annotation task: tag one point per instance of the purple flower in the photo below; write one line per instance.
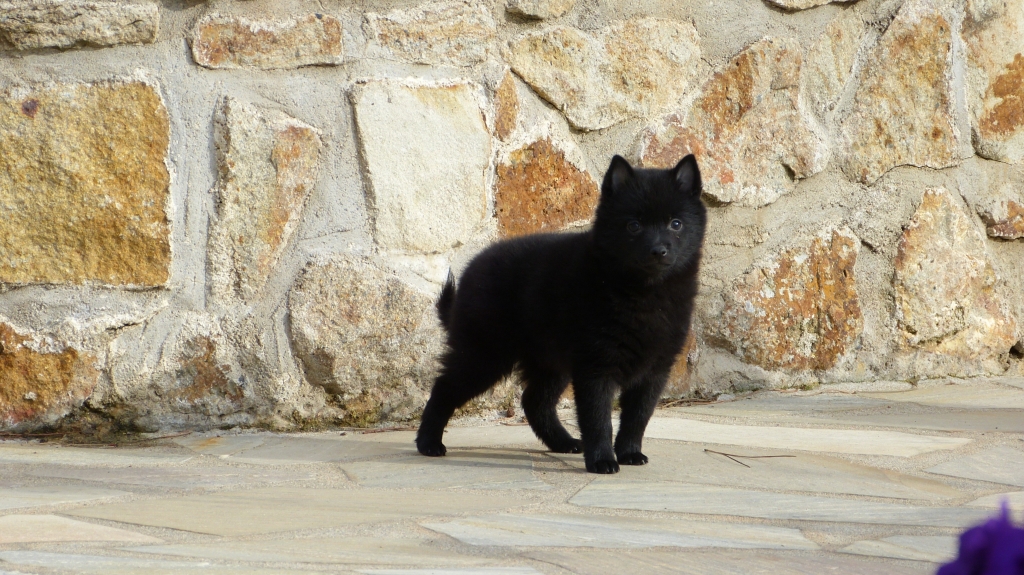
(995, 547)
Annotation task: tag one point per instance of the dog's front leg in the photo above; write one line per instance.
(594, 397)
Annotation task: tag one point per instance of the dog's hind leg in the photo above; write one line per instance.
(540, 403)
(460, 381)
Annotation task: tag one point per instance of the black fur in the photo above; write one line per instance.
(607, 309)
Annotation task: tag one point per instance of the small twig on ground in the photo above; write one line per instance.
(733, 456)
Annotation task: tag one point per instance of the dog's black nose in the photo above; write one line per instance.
(659, 251)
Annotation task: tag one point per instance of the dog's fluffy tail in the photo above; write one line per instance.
(446, 300)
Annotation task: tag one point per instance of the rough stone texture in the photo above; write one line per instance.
(829, 63)
(540, 8)
(745, 128)
(679, 378)
(438, 33)
(994, 33)
(537, 189)
(366, 337)
(904, 110)
(803, 4)
(83, 172)
(41, 383)
(221, 41)
(202, 383)
(1003, 212)
(30, 24)
(426, 150)
(599, 79)
(267, 162)
(800, 309)
(506, 108)
(947, 300)
(189, 379)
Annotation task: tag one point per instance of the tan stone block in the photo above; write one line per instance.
(803, 4)
(40, 386)
(366, 337)
(829, 63)
(426, 151)
(946, 290)
(84, 185)
(745, 127)
(538, 189)
(904, 110)
(1002, 210)
(446, 33)
(206, 386)
(798, 310)
(268, 166)
(540, 8)
(994, 34)
(221, 41)
(29, 24)
(599, 79)
(506, 108)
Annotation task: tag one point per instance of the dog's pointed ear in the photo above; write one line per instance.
(618, 174)
(687, 175)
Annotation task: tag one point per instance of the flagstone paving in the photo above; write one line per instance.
(916, 547)
(997, 465)
(857, 479)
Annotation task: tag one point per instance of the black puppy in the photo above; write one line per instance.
(607, 309)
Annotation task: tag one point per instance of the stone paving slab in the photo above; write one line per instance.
(858, 441)
(615, 532)
(1005, 420)
(25, 497)
(109, 565)
(477, 571)
(355, 446)
(997, 465)
(934, 548)
(713, 500)
(460, 468)
(1015, 499)
(670, 461)
(98, 456)
(348, 549)
(269, 510)
(173, 477)
(716, 562)
(871, 413)
(220, 445)
(966, 395)
(286, 450)
(52, 528)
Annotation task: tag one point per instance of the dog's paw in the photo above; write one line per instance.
(635, 458)
(603, 466)
(431, 449)
(569, 446)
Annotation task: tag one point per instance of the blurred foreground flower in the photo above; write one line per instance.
(995, 547)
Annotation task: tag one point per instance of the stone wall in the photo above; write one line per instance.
(237, 212)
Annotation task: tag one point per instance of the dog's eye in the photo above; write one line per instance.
(675, 225)
(633, 227)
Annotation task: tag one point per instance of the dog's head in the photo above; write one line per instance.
(651, 222)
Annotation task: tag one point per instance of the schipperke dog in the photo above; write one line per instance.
(606, 309)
